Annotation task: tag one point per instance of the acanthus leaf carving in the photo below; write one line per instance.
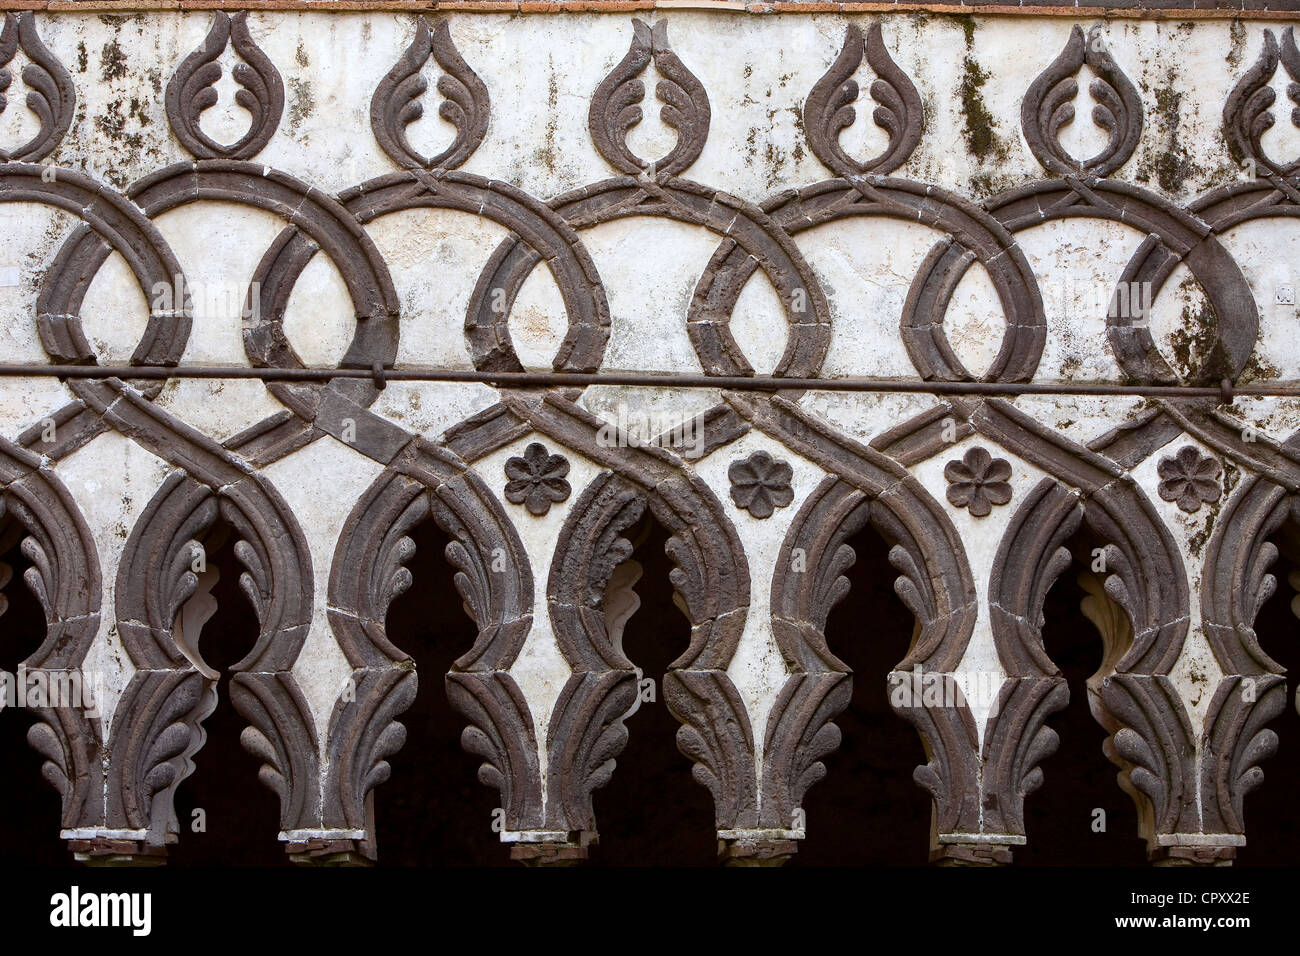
(191, 91)
(800, 732)
(1247, 112)
(396, 103)
(1153, 744)
(500, 604)
(282, 734)
(591, 546)
(363, 733)
(615, 106)
(1048, 106)
(156, 730)
(1016, 742)
(70, 741)
(1234, 742)
(586, 733)
(501, 731)
(716, 734)
(52, 96)
(829, 107)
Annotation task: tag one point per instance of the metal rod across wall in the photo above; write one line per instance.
(762, 383)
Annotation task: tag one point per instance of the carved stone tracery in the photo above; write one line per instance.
(1189, 782)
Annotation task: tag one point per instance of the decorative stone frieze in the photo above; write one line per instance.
(990, 312)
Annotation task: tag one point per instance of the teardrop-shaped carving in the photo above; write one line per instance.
(1247, 113)
(191, 91)
(829, 108)
(615, 106)
(396, 103)
(1049, 106)
(51, 95)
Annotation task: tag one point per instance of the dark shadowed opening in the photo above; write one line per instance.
(433, 811)
(1272, 830)
(868, 810)
(26, 797)
(653, 813)
(1061, 822)
(241, 816)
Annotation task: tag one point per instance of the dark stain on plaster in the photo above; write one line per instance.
(1259, 369)
(301, 104)
(112, 62)
(1193, 340)
(547, 154)
(979, 127)
(1169, 161)
(1237, 37)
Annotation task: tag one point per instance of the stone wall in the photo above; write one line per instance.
(770, 279)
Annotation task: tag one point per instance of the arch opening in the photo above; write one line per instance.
(433, 811)
(28, 797)
(224, 813)
(868, 809)
(652, 812)
(1082, 815)
(1272, 831)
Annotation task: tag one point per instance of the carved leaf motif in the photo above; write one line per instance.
(156, 730)
(800, 732)
(396, 103)
(615, 105)
(585, 735)
(1247, 113)
(1048, 107)
(56, 769)
(492, 573)
(191, 91)
(51, 95)
(501, 732)
(716, 734)
(282, 734)
(363, 734)
(1016, 741)
(8, 47)
(42, 577)
(829, 108)
(70, 742)
(181, 581)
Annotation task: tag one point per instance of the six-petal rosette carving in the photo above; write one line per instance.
(537, 480)
(978, 481)
(1190, 479)
(760, 484)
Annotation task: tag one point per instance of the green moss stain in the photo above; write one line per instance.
(967, 24)
(1171, 165)
(547, 155)
(978, 125)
